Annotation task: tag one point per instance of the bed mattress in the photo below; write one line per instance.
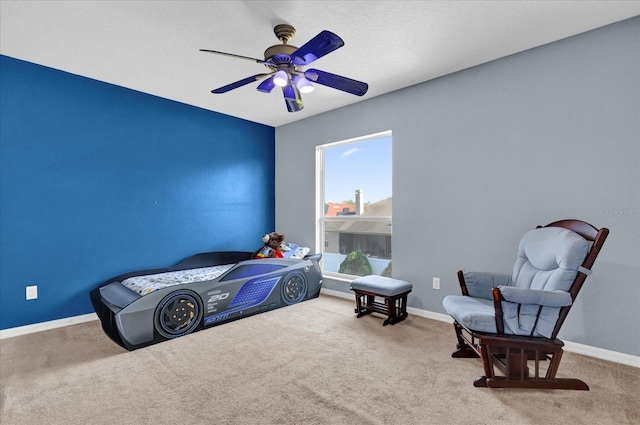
(146, 284)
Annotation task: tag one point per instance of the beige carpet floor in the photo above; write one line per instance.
(311, 363)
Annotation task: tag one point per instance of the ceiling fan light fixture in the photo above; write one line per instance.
(281, 78)
(303, 84)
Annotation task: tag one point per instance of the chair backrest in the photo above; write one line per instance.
(558, 256)
(597, 237)
(548, 259)
(590, 233)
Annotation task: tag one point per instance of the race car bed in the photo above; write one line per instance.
(141, 308)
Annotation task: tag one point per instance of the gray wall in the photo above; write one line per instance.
(485, 154)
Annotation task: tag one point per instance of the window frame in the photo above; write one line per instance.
(321, 219)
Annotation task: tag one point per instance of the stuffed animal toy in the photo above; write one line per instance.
(271, 249)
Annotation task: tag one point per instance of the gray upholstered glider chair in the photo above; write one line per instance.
(512, 320)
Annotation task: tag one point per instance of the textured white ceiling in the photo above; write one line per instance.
(152, 46)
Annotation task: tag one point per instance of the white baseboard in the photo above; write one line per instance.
(573, 347)
(338, 294)
(45, 326)
(601, 353)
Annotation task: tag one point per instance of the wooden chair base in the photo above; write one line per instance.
(556, 384)
(512, 356)
(394, 306)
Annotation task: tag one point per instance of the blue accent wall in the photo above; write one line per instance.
(97, 180)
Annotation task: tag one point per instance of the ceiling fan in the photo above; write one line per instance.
(287, 65)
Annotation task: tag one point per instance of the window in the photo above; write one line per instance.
(355, 206)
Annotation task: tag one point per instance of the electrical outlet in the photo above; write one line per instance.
(436, 283)
(32, 292)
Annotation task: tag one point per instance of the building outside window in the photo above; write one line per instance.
(355, 206)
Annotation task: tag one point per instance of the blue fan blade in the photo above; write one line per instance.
(292, 98)
(237, 84)
(337, 82)
(320, 45)
(266, 86)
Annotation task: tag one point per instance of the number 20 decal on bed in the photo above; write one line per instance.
(252, 294)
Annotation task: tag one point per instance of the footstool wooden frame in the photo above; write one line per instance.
(393, 291)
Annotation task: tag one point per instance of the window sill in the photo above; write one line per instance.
(339, 277)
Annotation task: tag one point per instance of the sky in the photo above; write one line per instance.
(364, 165)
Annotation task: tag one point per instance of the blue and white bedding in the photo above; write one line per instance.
(292, 250)
(146, 284)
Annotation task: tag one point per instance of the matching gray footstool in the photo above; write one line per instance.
(392, 291)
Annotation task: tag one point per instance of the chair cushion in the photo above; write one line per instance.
(477, 314)
(548, 259)
(480, 284)
(384, 286)
(520, 319)
(534, 296)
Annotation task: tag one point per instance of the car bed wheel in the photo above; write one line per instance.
(178, 314)
(294, 288)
